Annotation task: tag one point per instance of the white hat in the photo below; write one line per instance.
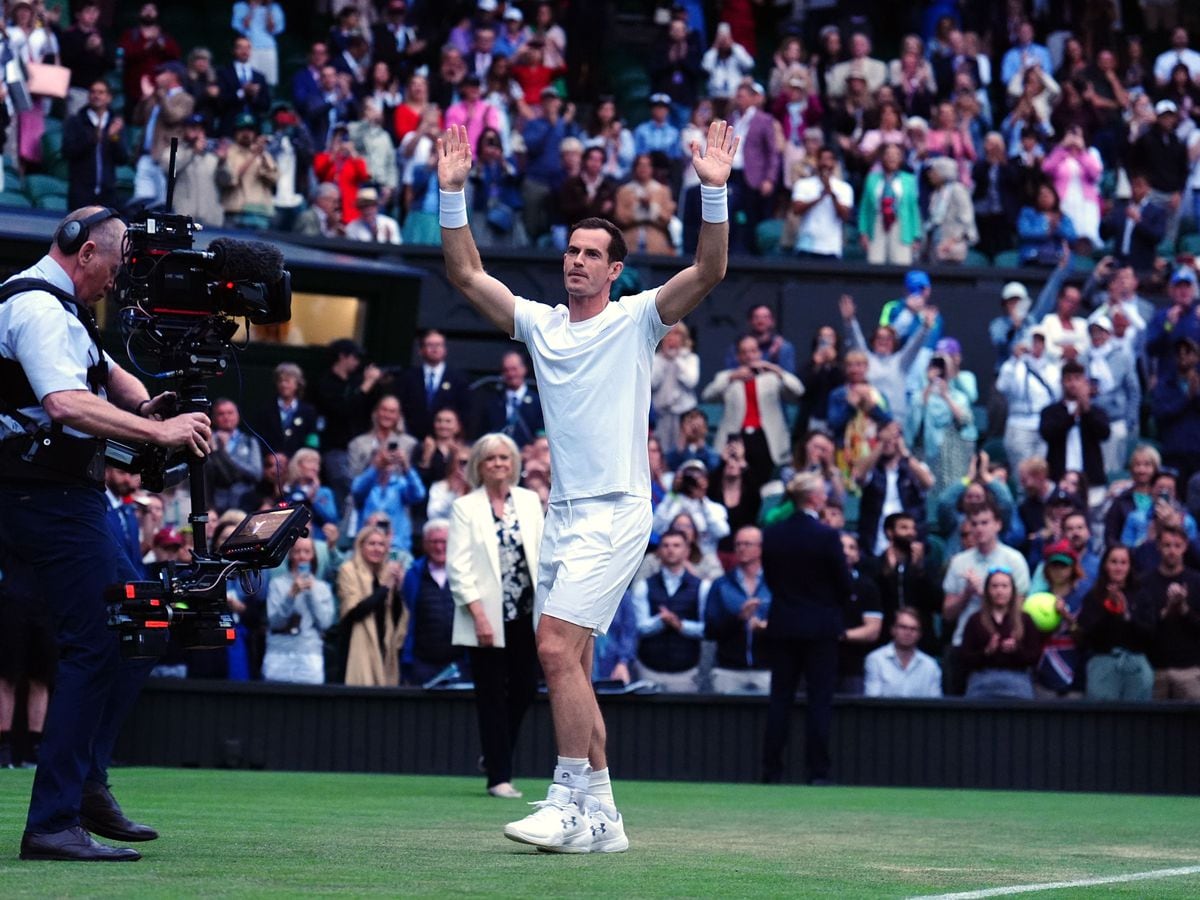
(1162, 107)
(514, 14)
(1102, 322)
(487, 5)
(1014, 290)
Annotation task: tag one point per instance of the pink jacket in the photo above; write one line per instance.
(482, 115)
(1091, 170)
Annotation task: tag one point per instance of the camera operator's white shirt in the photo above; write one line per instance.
(594, 381)
(48, 341)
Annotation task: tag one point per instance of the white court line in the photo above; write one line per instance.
(1057, 885)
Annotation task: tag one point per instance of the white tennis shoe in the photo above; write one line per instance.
(608, 832)
(558, 824)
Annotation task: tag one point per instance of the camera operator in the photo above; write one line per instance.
(61, 396)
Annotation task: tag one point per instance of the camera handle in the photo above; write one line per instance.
(193, 397)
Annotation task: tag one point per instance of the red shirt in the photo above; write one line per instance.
(753, 419)
(348, 173)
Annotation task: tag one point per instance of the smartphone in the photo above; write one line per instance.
(393, 446)
(393, 556)
(304, 568)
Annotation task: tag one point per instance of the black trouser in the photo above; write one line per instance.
(505, 685)
(817, 660)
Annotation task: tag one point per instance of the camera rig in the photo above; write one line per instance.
(179, 307)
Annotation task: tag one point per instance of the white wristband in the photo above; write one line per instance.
(452, 208)
(714, 204)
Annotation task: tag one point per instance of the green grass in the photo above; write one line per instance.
(247, 834)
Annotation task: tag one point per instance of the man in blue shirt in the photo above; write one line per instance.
(657, 134)
(1024, 54)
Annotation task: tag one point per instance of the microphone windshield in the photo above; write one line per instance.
(254, 261)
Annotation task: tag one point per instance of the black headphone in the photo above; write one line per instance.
(74, 234)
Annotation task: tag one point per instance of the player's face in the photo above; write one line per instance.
(586, 268)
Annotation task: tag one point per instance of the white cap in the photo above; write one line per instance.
(1162, 107)
(487, 5)
(1014, 290)
(1102, 322)
(515, 14)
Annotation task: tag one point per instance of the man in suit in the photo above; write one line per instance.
(755, 167)
(1077, 413)
(431, 385)
(94, 145)
(804, 626)
(753, 394)
(397, 42)
(306, 83)
(510, 407)
(1136, 226)
(243, 89)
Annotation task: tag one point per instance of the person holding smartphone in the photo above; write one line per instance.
(299, 611)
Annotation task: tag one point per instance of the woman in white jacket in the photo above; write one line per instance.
(492, 560)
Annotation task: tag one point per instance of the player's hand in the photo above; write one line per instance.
(715, 163)
(454, 158)
(190, 430)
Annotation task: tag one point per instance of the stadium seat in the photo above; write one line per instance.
(1190, 243)
(124, 178)
(37, 186)
(15, 200)
(1007, 259)
(52, 142)
(55, 202)
(980, 414)
(994, 448)
(767, 236)
(976, 258)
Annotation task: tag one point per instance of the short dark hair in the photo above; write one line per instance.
(675, 532)
(1163, 529)
(988, 506)
(694, 411)
(1071, 367)
(617, 250)
(603, 155)
(889, 523)
(757, 306)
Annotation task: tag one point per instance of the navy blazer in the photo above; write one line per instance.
(231, 107)
(492, 415)
(275, 437)
(1147, 234)
(453, 392)
(806, 570)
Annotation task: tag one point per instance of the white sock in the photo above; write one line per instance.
(572, 772)
(600, 787)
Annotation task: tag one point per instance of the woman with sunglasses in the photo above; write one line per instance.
(1000, 643)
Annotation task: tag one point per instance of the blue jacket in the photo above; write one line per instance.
(1177, 414)
(392, 497)
(543, 162)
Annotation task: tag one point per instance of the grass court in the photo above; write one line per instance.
(286, 834)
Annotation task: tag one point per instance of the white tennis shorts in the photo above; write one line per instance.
(591, 549)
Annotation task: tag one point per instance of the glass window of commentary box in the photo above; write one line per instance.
(317, 319)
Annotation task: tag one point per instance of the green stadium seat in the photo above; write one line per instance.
(14, 200)
(124, 176)
(767, 236)
(59, 168)
(1166, 248)
(56, 202)
(37, 186)
(1007, 259)
(52, 142)
(1190, 243)
(976, 258)
(994, 448)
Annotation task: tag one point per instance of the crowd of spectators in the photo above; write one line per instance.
(1083, 485)
(987, 136)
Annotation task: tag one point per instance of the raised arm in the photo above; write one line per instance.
(464, 268)
(683, 293)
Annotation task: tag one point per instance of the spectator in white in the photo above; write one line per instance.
(689, 494)
(260, 22)
(874, 70)
(196, 165)
(372, 226)
(1024, 54)
(669, 606)
(1065, 330)
(299, 612)
(726, 63)
(899, 669)
(1180, 54)
(888, 364)
(674, 375)
(235, 463)
(963, 584)
(824, 203)
(1112, 371)
(1006, 328)
(950, 226)
(164, 107)
(1029, 382)
(1121, 304)
(324, 216)
(247, 176)
(752, 396)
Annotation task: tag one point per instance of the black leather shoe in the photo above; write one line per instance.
(100, 814)
(73, 844)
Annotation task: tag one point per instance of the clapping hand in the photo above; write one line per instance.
(713, 164)
(454, 158)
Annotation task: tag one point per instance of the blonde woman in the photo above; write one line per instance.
(371, 606)
(492, 560)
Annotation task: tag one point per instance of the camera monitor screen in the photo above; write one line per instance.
(261, 536)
